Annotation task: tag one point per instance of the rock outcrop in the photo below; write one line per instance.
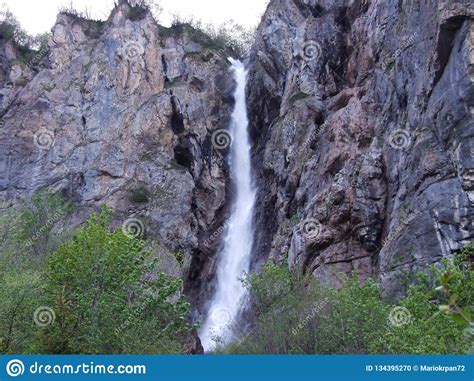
(122, 113)
(362, 118)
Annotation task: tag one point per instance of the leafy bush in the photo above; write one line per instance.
(27, 237)
(19, 294)
(102, 291)
(108, 297)
(298, 315)
(27, 230)
(30, 50)
(441, 317)
(227, 37)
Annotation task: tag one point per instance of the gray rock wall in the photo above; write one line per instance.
(362, 117)
(122, 113)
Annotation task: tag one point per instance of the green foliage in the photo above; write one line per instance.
(456, 287)
(298, 315)
(26, 238)
(48, 87)
(18, 300)
(227, 37)
(356, 317)
(295, 219)
(104, 289)
(272, 284)
(179, 255)
(426, 333)
(389, 68)
(26, 230)
(30, 50)
(146, 156)
(108, 297)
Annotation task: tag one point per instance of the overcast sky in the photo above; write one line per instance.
(37, 16)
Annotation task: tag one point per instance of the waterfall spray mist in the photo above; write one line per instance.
(234, 257)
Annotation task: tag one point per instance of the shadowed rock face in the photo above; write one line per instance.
(362, 118)
(122, 113)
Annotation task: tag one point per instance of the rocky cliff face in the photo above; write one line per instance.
(362, 118)
(122, 113)
(361, 121)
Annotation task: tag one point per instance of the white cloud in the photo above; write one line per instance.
(39, 16)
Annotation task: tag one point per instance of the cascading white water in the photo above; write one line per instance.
(234, 258)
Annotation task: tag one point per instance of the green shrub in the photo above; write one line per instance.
(19, 297)
(103, 291)
(298, 315)
(26, 230)
(27, 237)
(108, 298)
(30, 50)
(228, 37)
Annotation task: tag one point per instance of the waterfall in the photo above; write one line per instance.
(234, 256)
